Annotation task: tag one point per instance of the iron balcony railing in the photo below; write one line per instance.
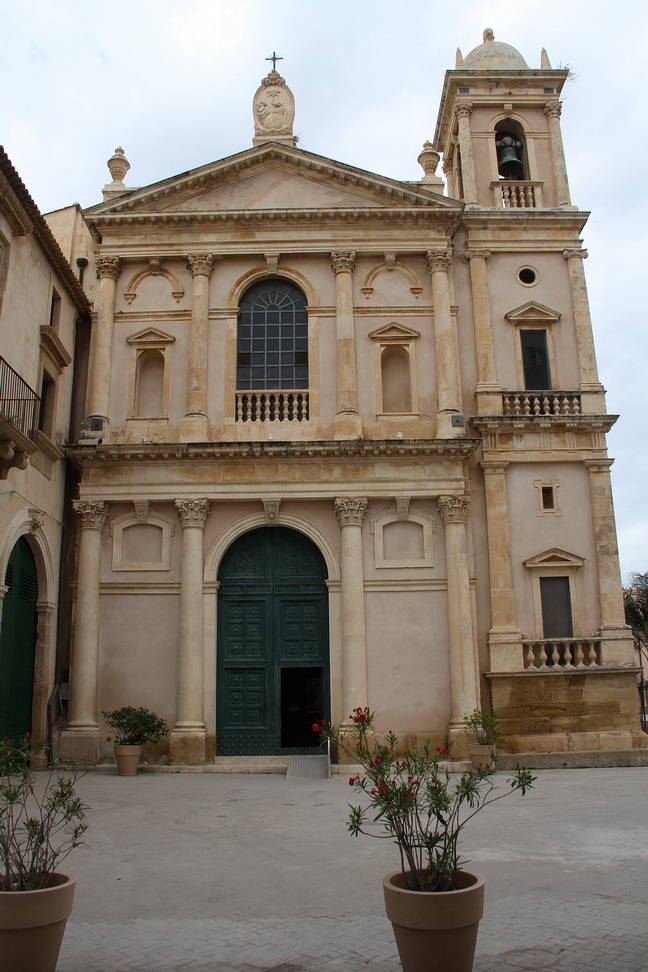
(18, 402)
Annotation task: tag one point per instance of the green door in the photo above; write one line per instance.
(17, 642)
(272, 653)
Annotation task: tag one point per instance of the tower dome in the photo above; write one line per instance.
(492, 55)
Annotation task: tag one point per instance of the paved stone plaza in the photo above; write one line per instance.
(236, 873)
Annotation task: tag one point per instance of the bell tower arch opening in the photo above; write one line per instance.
(510, 143)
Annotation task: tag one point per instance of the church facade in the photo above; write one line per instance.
(343, 444)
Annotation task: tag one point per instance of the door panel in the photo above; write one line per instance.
(17, 642)
(272, 653)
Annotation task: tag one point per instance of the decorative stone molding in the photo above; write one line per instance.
(439, 260)
(390, 263)
(154, 269)
(533, 313)
(271, 510)
(453, 509)
(37, 520)
(350, 510)
(108, 267)
(583, 254)
(343, 261)
(553, 109)
(463, 109)
(141, 510)
(598, 465)
(402, 507)
(193, 512)
(272, 263)
(93, 513)
(53, 347)
(201, 263)
(273, 108)
(12, 453)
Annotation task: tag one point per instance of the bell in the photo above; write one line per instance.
(509, 164)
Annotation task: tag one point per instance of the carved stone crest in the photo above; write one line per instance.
(274, 111)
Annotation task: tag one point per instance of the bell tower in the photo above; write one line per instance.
(499, 130)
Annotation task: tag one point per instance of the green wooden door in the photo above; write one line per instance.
(272, 652)
(17, 642)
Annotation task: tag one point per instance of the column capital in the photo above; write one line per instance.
(343, 261)
(568, 254)
(552, 109)
(447, 165)
(439, 260)
(453, 509)
(463, 109)
(598, 465)
(492, 467)
(93, 513)
(350, 510)
(108, 266)
(201, 263)
(193, 512)
(476, 254)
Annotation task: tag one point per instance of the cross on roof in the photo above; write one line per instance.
(274, 60)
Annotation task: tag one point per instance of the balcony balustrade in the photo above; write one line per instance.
(517, 194)
(541, 403)
(272, 406)
(549, 654)
(18, 402)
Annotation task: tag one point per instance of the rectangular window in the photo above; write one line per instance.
(535, 360)
(55, 310)
(555, 598)
(48, 397)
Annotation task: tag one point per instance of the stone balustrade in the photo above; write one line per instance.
(517, 194)
(564, 653)
(541, 403)
(272, 406)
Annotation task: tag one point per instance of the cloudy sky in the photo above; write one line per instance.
(172, 82)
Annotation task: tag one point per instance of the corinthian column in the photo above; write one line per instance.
(347, 420)
(552, 110)
(108, 269)
(463, 112)
(350, 512)
(584, 339)
(446, 346)
(80, 741)
(187, 739)
(618, 645)
(195, 425)
(461, 639)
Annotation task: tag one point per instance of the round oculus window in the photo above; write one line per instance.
(527, 276)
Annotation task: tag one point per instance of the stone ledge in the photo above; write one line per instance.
(577, 759)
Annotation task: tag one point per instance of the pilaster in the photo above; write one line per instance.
(489, 392)
(590, 386)
(188, 737)
(449, 410)
(348, 424)
(80, 741)
(195, 425)
(463, 112)
(350, 512)
(552, 110)
(108, 270)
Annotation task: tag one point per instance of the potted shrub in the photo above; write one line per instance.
(39, 826)
(486, 729)
(434, 904)
(133, 728)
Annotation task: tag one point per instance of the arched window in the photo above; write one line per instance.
(511, 150)
(272, 349)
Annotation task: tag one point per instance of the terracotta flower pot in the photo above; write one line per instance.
(480, 755)
(32, 924)
(128, 758)
(436, 931)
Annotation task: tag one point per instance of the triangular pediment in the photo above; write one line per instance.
(555, 557)
(150, 336)
(533, 313)
(394, 332)
(272, 177)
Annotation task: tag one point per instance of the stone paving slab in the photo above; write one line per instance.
(236, 873)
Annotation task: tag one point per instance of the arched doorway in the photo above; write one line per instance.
(273, 648)
(18, 642)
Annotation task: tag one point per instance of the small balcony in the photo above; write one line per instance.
(272, 406)
(19, 406)
(517, 194)
(556, 654)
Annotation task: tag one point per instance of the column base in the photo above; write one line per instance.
(459, 738)
(80, 746)
(348, 425)
(194, 427)
(188, 747)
